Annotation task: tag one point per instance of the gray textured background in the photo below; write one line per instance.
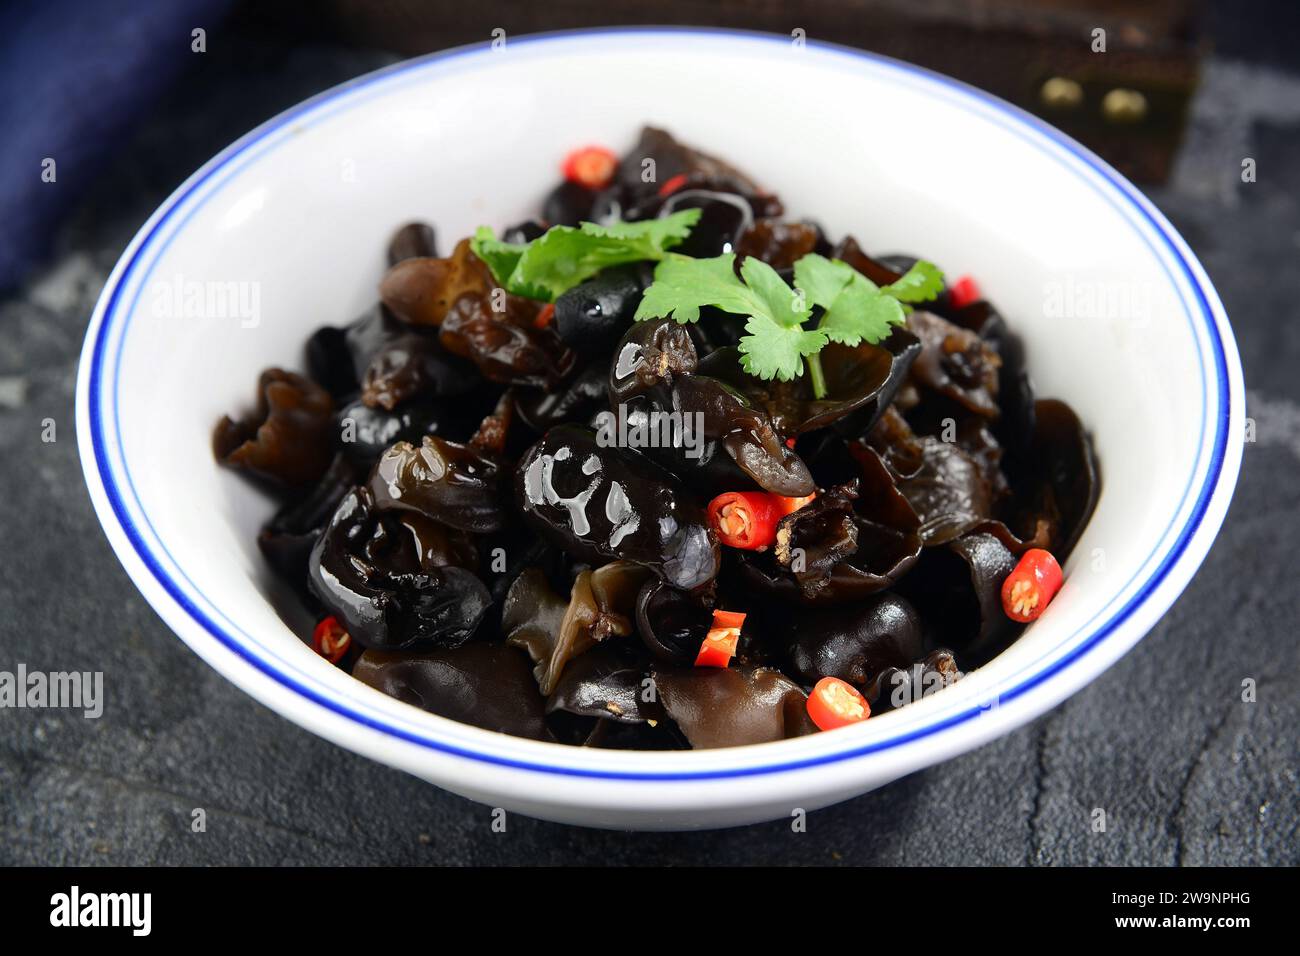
(1186, 772)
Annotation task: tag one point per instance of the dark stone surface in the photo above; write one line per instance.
(1186, 771)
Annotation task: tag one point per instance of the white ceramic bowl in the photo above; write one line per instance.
(298, 213)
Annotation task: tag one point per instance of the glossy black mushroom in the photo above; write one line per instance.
(533, 621)
(716, 330)
(950, 493)
(329, 362)
(855, 643)
(367, 334)
(671, 623)
(287, 539)
(493, 435)
(477, 320)
(340, 359)
(671, 163)
(452, 483)
(745, 433)
(609, 683)
(899, 262)
(524, 232)
(809, 556)
(568, 204)
(421, 291)
(592, 316)
(732, 707)
(650, 357)
(886, 542)
(413, 366)
(957, 588)
(708, 435)
(364, 433)
(554, 630)
(1015, 427)
(813, 540)
(724, 218)
(956, 483)
(700, 428)
(956, 363)
(1061, 483)
(288, 440)
(484, 685)
(506, 344)
(896, 687)
(973, 436)
(389, 579)
(577, 399)
(415, 240)
(337, 357)
(898, 446)
(780, 244)
(602, 503)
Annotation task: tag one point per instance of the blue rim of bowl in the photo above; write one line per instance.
(1020, 123)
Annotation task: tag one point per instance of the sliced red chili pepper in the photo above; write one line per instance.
(1028, 589)
(590, 166)
(672, 185)
(729, 619)
(330, 641)
(785, 506)
(963, 292)
(789, 443)
(545, 316)
(719, 645)
(744, 519)
(836, 703)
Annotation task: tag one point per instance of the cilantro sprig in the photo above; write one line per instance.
(565, 256)
(777, 343)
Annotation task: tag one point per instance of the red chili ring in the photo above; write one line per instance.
(330, 640)
(744, 519)
(590, 166)
(835, 703)
(963, 292)
(1028, 589)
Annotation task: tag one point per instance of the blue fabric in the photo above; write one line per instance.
(76, 76)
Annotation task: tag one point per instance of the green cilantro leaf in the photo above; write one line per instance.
(772, 296)
(502, 258)
(822, 279)
(856, 309)
(659, 234)
(920, 283)
(565, 256)
(777, 342)
(860, 313)
(682, 286)
(771, 350)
